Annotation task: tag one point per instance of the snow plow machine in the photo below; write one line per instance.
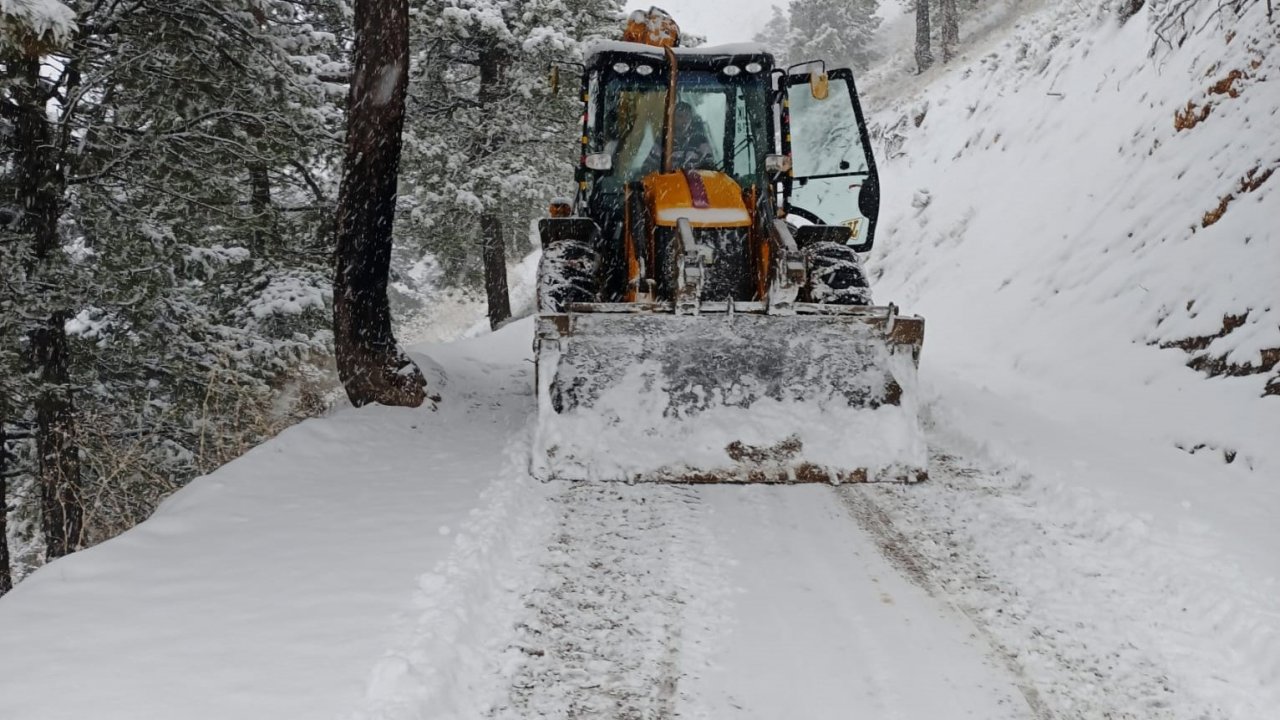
(703, 312)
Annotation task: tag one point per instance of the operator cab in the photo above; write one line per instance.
(625, 121)
(791, 149)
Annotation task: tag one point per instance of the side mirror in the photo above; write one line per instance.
(869, 206)
(555, 79)
(819, 85)
(869, 198)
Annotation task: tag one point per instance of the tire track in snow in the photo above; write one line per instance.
(898, 548)
(604, 634)
(441, 666)
(1081, 622)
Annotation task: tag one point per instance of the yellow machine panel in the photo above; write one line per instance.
(707, 199)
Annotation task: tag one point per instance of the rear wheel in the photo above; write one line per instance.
(566, 275)
(836, 275)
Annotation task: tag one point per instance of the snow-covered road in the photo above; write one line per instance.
(653, 601)
(751, 602)
(385, 564)
(821, 625)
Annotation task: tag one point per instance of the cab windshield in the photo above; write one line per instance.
(719, 124)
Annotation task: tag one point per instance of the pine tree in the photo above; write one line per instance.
(774, 35)
(163, 244)
(38, 184)
(219, 296)
(838, 31)
(487, 142)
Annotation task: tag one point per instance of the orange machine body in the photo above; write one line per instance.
(706, 197)
(652, 27)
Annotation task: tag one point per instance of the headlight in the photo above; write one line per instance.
(777, 164)
(731, 70)
(645, 70)
(621, 67)
(598, 161)
(754, 67)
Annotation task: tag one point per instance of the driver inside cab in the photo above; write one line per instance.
(691, 147)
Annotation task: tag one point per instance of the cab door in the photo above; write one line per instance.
(833, 179)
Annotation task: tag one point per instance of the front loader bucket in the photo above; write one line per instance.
(732, 397)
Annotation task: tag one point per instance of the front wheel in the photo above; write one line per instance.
(836, 275)
(566, 275)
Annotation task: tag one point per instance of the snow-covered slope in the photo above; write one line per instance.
(1063, 238)
(1045, 188)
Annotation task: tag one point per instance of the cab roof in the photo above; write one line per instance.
(710, 56)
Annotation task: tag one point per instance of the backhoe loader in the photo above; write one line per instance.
(703, 311)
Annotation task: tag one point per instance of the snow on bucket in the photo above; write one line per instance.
(728, 397)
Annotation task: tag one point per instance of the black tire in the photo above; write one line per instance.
(566, 275)
(836, 276)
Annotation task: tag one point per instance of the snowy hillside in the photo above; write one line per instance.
(1075, 243)
(1073, 176)
(1096, 540)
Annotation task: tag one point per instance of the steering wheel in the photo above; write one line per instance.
(807, 215)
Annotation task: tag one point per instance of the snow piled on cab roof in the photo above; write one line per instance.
(605, 46)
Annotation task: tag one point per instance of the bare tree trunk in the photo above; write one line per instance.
(6, 574)
(924, 53)
(260, 202)
(493, 61)
(495, 269)
(264, 230)
(950, 30)
(370, 364)
(56, 443)
(40, 187)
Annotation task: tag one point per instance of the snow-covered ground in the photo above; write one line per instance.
(259, 590)
(390, 563)
(1108, 513)
(1097, 538)
(449, 314)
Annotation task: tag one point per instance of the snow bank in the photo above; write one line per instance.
(271, 587)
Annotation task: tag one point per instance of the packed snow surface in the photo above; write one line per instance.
(390, 563)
